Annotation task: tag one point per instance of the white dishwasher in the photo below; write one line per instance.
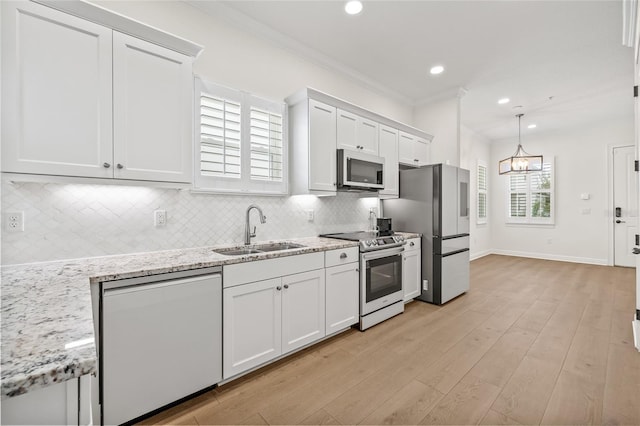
(160, 341)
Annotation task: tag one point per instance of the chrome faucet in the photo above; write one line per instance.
(247, 226)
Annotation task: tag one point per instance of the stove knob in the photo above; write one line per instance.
(367, 243)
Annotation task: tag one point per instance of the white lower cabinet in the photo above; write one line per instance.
(411, 269)
(342, 296)
(66, 403)
(265, 319)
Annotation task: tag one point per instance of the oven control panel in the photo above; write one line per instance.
(380, 243)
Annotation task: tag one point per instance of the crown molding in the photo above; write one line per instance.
(240, 20)
(451, 93)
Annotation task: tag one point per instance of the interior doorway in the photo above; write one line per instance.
(625, 205)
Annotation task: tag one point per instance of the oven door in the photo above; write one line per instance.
(380, 279)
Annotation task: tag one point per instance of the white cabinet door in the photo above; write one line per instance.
(412, 269)
(322, 146)
(368, 136)
(342, 297)
(152, 93)
(56, 82)
(406, 149)
(356, 133)
(303, 303)
(422, 153)
(347, 130)
(251, 325)
(389, 151)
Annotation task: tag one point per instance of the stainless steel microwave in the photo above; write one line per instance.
(360, 172)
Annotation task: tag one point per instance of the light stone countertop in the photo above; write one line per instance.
(47, 321)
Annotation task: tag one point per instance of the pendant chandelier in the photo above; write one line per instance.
(521, 161)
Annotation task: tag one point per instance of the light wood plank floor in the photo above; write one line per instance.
(533, 342)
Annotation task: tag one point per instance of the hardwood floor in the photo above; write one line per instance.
(533, 342)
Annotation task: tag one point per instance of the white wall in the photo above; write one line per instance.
(234, 57)
(475, 148)
(441, 119)
(581, 165)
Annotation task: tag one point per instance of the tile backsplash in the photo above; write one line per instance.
(65, 221)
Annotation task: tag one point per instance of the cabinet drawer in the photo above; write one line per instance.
(413, 244)
(340, 256)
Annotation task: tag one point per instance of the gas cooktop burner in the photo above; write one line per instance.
(369, 240)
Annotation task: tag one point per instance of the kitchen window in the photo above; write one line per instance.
(531, 196)
(481, 217)
(242, 144)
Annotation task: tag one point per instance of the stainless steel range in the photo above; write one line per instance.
(380, 275)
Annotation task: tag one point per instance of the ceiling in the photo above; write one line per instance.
(562, 61)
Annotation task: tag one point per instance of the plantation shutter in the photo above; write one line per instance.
(518, 195)
(220, 137)
(266, 145)
(482, 193)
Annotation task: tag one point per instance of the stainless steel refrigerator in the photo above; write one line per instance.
(434, 201)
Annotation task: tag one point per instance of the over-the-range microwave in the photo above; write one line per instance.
(359, 172)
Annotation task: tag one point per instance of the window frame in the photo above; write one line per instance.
(245, 184)
(482, 191)
(528, 219)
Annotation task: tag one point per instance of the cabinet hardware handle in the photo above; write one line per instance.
(343, 256)
(416, 160)
(412, 244)
(286, 286)
(278, 288)
(120, 166)
(106, 165)
(357, 269)
(334, 184)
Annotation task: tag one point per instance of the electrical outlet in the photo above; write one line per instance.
(425, 285)
(159, 218)
(14, 221)
(310, 215)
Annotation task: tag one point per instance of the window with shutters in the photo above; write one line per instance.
(531, 196)
(482, 194)
(242, 142)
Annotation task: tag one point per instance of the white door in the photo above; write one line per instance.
(251, 326)
(342, 297)
(56, 83)
(389, 151)
(347, 130)
(322, 146)
(422, 153)
(411, 270)
(406, 149)
(625, 204)
(152, 95)
(367, 136)
(302, 309)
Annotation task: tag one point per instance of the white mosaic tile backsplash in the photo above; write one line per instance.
(66, 221)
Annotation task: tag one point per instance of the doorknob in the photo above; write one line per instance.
(636, 250)
(620, 221)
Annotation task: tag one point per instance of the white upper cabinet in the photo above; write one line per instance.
(356, 133)
(81, 99)
(413, 150)
(56, 105)
(389, 150)
(152, 89)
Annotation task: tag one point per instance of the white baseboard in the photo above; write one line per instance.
(480, 254)
(636, 333)
(544, 256)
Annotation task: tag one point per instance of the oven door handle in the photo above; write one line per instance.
(397, 251)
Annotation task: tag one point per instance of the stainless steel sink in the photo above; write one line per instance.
(277, 246)
(238, 251)
(259, 248)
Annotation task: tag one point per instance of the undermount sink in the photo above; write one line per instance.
(260, 248)
(277, 246)
(237, 251)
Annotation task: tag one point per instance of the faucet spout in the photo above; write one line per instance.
(247, 225)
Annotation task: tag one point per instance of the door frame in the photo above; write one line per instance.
(610, 200)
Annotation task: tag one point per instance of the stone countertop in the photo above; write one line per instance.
(47, 321)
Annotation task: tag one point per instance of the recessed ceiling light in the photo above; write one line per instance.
(353, 7)
(532, 126)
(438, 69)
(504, 101)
